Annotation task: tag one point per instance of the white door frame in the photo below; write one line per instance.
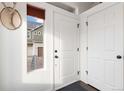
(84, 36)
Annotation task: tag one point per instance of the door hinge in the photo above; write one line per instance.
(86, 48)
(78, 25)
(86, 72)
(78, 72)
(77, 49)
(87, 23)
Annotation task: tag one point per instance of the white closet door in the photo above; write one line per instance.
(65, 46)
(105, 54)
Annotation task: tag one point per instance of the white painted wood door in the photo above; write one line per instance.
(65, 50)
(105, 44)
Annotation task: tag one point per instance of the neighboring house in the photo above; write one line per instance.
(35, 48)
(36, 35)
(29, 36)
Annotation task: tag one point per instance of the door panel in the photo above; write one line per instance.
(66, 65)
(105, 42)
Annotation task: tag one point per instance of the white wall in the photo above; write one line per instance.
(11, 52)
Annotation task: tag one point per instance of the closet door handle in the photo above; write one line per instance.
(119, 57)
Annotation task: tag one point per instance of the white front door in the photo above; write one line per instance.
(65, 50)
(105, 49)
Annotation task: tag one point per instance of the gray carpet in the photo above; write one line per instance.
(73, 87)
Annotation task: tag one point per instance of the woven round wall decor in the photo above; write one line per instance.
(10, 18)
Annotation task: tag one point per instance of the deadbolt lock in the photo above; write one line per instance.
(119, 57)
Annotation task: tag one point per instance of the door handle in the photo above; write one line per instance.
(56, 56)
(119, 57)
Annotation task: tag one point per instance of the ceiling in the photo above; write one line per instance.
(76, 7)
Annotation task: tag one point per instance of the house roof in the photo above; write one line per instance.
(37, 28)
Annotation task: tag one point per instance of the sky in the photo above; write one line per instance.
(34, 19)
(34, 22)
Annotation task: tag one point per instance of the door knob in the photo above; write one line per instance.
(119, 57)
(56, 57)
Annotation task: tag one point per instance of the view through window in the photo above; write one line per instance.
(35, 44)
